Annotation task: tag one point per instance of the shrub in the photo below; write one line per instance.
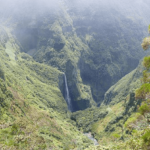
(132, 121)
(142, 91)
(146, 62)
(146, 137)
(146, 43)
(145, 108)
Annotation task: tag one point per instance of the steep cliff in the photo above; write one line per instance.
(48, 49)
(33, 111)
(107, 123)
(94, 44)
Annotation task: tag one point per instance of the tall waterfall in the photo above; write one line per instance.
(67, 96)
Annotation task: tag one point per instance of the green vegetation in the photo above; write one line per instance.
(139, 123)
(146, 43)
(85, 119)
(94, 55)
(127, 120)
(34, 112)
(32, 108)
(143, 91)
(145, 108)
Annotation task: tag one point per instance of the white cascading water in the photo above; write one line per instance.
(67, 96)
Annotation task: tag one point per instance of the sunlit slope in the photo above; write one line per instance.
(120, 103)
(33, 110)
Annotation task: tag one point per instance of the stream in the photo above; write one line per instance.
(89, 135)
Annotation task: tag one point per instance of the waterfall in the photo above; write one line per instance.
(67, 96)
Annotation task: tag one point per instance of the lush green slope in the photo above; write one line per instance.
(94, 44)
(113, 31)
(32, 107)
(124, 86)
(94, 48)
(121, 103)
(108, 123)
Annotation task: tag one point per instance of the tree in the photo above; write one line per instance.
(146, 41)
(144, 91)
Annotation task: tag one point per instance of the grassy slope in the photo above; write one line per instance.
(121, 104)
(33, 110)
(107, 122)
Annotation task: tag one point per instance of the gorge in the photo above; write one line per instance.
(73, 67)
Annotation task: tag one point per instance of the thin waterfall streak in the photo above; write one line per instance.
(67, 96)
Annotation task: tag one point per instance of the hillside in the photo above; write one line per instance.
(95, 48)
(119, 104)
(33, 110)
(72, 68)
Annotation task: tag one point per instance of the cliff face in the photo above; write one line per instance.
(93, 44)
(118, 106)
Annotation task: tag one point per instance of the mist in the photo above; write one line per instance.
(16, 8)
(28, 7)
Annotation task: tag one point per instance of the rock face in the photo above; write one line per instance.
(94, 45)
(128, 84)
